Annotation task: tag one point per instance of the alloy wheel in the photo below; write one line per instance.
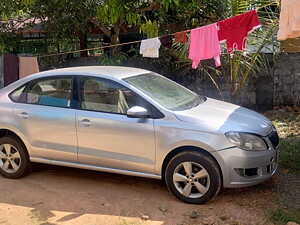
(191, 179)
(10, 159)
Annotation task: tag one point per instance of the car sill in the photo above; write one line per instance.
(96, 168)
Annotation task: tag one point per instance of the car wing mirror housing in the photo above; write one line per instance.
(138, 112)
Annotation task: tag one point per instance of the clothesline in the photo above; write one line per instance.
(131, 42)
(89, 49)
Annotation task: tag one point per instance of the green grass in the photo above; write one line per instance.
(290, 154)
(281, 216)
(288, 126)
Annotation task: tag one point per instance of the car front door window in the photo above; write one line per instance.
(107, 96)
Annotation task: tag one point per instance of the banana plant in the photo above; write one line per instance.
(243, 66)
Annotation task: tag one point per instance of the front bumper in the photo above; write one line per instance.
(242, 168)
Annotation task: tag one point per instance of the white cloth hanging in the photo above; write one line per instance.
(150, 47)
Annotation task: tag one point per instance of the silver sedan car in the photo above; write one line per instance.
(134, 122)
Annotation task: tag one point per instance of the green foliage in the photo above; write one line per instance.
(65, 18)
(133, 18)
(149, 15)
(14, 8)
(168, 3)
(150, 28)
(239, 6)
(27, 3)
(116, 60)
(111, 12)
(9, 42)
(283, 216)
(72, 19)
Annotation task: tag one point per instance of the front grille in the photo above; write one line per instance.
(274, 138)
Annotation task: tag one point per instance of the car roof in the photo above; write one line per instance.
(117, 72)
(109, 72)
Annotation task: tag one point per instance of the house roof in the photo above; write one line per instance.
(31, 25)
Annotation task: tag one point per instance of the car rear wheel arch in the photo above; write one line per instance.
(15, 158)
(182, 149)
(9, 133)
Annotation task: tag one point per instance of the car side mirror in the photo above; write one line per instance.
(138, 112)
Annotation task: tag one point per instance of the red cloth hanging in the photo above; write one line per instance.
(181, 37)
(235, 30)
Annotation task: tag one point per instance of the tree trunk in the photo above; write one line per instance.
(115, 39)
(83, 44)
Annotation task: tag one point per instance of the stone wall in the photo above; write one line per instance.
(287, 80)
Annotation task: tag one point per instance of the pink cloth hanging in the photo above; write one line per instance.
(205, 45)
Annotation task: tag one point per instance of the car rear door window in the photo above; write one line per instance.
(55, 92)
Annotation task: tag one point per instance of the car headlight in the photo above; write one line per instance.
(245, 141)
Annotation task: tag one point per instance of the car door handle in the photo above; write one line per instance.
(85, 122)
(24, 115)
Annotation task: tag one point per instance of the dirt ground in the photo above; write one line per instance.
(57, 195)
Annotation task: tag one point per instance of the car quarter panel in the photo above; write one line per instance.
(8, 122)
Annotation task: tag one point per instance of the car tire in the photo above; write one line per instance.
(14, 159)
(193, 177)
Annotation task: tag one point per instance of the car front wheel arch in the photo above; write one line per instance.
(181, 149)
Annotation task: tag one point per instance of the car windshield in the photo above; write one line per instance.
(165, 92)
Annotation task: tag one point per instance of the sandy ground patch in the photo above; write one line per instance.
(57, 195)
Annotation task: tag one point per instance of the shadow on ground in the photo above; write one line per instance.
(59, 195)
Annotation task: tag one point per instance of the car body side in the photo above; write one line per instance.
(171, 135)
